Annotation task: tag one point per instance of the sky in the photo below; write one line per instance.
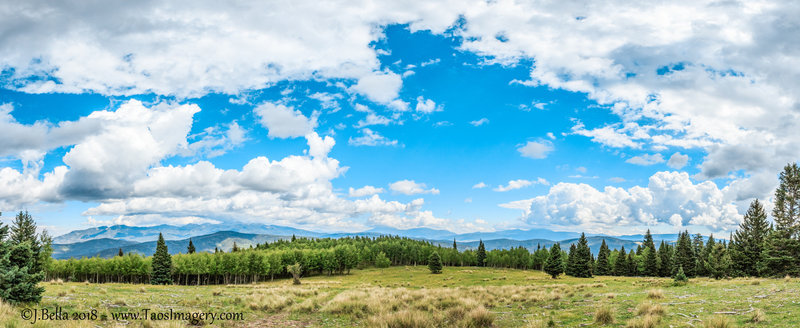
(606, 117)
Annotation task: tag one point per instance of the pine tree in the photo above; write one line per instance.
(18, 281)
(781, 253)
(684, 254)
(120, 253)
(680, 277)
(699, 253)
(665, 254)
(455, 247)
(651, 259)
(235, 247)
(481, 254)
(554, 265)
(602, 268)
(633, 266)
(435, 263)
(23, 229)
(571, 258)
(718, 263)
(621, 265)
(190, 249)
(162, 264)
(582, 264)
(747, 242)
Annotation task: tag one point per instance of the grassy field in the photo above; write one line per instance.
(460, 297)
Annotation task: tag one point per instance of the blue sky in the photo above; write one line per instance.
(485, 117)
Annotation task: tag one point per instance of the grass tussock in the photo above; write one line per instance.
(758, 316)
(650, 309)
(647, 321)
(655, 294)
(718, 322)
(479, 317)
(402, 319)
(604, 315)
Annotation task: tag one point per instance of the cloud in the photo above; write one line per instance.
(480, 122)
(669, 198)
(678, 161)
(284, 122)
(479, 185)
(409, 187)
(536, 149)
(617, 179)
(380, 87)
(426, 106)
(646, 159)
(371, 138)
(364, 191)
(520, 183)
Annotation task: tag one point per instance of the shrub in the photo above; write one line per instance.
(381, 261)
(435, 263)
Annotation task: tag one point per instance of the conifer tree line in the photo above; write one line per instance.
(756, 248)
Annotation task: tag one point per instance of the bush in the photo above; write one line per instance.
(381, 261)
(435, 263)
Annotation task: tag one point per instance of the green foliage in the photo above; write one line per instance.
(680, 277)
(554, 266)
(684, 254)
(665, 259)
(781, 252)
(162, 264)
(582, 263)
(602, 267)
(718, 263)
(190, 249)
(650, 256)
(435, 263)
(381, 261)
(481, 254)
(21, 260)
(747, 243)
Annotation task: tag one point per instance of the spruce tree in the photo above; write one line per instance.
(665, 255)
(554, 265)
(190, 249)
(23, 229)
(602, 268)
(680, 277)
(621, 264)
(651, 259)
(781, 253)
(582, 264)
(571, 258)
(747, 243)
(718, 263)
(699, 253)
(162, 264)
(18, 281)
(435, 263)
(633, 266)
(481, 256)
(684, 254)
(455, 246)
(120, 253)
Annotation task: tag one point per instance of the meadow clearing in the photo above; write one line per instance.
(459, 297)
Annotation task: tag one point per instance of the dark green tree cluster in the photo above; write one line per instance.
(24, 256)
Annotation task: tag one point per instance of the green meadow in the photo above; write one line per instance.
(413, 297)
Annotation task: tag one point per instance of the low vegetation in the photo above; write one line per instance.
(409, 296)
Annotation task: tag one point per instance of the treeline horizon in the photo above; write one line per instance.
(756, 248)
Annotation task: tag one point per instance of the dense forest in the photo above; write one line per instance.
(756, 248)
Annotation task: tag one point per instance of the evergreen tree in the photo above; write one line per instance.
(435, 263)
(602, 268)
(633, 267)
(621, 265)
(481, 257)
(554, 265)
(781, 253)
(570, 269)
(718, 263)
(665, 255)
(236, 248)
(120, 253)
(162, 264)
(747, 243)
(23, 229)
(680, 277)
(582, 264)
(684, 254)
(18, 281)
(190, 249)
(455, 246)
(651, 258)
(699, 253)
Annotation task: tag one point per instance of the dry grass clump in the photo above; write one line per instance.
(718, 322)
(103, 291)
(758, 316)
(647, 321)
(604, 315)
(216, 293)
(62, 293)
(479, 317)
(402, 319)
(650, 309)
(271, 302)
(654, 294)
(611, 295)
(57, 282)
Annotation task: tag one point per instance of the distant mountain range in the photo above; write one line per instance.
(106, 241)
